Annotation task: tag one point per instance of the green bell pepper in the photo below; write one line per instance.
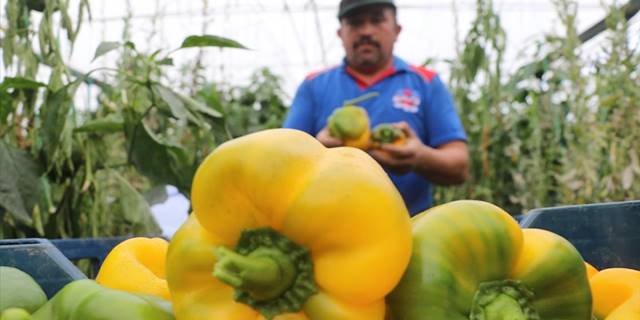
(472, 261)
(87, 300)
(15, 314)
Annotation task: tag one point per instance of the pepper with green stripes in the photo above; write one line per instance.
(471, 260)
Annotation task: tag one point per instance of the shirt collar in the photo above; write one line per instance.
(398, 66)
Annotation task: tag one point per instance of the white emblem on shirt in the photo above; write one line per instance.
(406, 100)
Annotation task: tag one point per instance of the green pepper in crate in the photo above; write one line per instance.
(87, 300)
(471, 261)
(19, 290)
(15, 314)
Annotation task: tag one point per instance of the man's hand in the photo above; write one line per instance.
(325, 138)
(447, 164)
(400, 158)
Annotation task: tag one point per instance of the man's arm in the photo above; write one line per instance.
(446, 165)
(301, 114)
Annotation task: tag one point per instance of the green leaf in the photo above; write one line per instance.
(55, 79)
(475, 58)
(198, 106)
(130, 45)
(172, 99)
(210, 41)
(19, 83)
(212, 98)
(6, 107)
(134, 208)
(160, 161)
(105, 47)
(66, 20)
(155, 54)
(36, 5)
(37, 221)
(30, 61)
(101, 125)
(66, 137)
(179, 106)
(8, 44)
(165, 62)
(54, 115)
(7, 52)
(46, 198)
(19, 182)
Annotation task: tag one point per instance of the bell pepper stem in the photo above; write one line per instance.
(360, 98)
(503, 300)
(269, 272)
(504, 307)
(264, 274)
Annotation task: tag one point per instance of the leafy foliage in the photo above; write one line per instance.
(562, 129)
(76, 173)
(257, 106)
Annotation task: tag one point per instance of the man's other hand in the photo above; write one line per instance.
(400, 158)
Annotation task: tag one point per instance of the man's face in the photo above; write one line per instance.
(368, 36)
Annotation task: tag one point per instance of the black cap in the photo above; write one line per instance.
(347, 6)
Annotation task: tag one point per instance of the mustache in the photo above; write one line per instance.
(365, 40)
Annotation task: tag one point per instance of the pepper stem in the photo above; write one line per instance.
(503, 300)
(264, 273)
(269, 272)
(504, 307)
(360, 98)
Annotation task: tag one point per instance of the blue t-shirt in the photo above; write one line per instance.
(405, 93)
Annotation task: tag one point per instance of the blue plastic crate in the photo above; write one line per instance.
(40, 259)
(94, 249)
(606, 234)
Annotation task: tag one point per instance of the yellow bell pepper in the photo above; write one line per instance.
(591, 270)
(137, 265)
(616, 294)
(284, 228)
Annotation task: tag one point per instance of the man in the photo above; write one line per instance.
(413, 98)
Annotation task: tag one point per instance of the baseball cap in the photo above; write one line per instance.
(347, 6)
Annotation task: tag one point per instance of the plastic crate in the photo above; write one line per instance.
(40, 259)
(518, 217)
(606, 234)
(94, 249)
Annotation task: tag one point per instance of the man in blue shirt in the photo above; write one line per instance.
(413, 98)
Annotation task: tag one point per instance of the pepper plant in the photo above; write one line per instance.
(68, 172)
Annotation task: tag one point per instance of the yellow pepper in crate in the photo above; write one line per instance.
(284, 228)
(137, 265)
(616, 294)
(591, 270)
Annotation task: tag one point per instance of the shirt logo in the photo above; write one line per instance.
(406, 100)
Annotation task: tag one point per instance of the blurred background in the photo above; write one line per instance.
(105, 113)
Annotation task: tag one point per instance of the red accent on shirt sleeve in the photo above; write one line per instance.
(426, 74)
(314, 74)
